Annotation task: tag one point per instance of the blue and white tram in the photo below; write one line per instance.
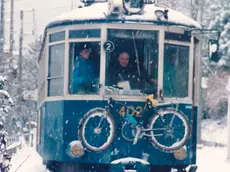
(149, 33)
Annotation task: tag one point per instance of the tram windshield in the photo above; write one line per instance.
(133, 63)
(176, 71)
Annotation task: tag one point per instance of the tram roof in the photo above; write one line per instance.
(98, 12)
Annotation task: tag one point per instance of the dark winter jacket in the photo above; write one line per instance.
(118, 73)
(84, 75)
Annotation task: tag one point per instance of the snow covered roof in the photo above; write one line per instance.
(98, 12)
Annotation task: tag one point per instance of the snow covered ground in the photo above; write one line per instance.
(209, 158)
(33, 162)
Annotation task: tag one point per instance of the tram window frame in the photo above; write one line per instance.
(86, 33)
(141, 44)
(186, 37)
(41, 74)
(180, 83)
(95, 57)
(57, 36)
(56, 89)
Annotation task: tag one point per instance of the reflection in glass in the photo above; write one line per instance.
(59, 36)
(176, 67)
(56, 70)
(55, 87)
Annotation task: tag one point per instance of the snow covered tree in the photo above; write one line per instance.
(6, 103)
(221, 22)
(26, 104)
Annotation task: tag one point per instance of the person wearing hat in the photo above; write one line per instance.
(84, 74)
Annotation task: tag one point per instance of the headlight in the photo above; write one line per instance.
(180, 154)
(76, 148)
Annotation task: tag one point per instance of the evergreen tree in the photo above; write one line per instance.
(221, 22)
(6, 104)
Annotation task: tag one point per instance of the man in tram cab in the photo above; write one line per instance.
(122, 72)
(84, 73)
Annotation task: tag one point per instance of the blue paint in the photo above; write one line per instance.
(131, 119)
(59, 126)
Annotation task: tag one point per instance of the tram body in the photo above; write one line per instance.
(60, 111)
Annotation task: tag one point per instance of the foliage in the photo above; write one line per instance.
(5, 106)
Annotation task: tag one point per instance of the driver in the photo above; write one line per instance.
(123, 71)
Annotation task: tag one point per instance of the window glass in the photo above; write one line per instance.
(56, 60)
(55, 87)
(176, 70)
(133, 62)
(59, 36)
(93, 33)
(186, 37)
(56, 70)
(84, 67)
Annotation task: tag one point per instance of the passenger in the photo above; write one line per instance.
(123, 71)
(84, 74)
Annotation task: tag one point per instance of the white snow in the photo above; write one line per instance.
(209, 159)
(16, 144)
(75, 142)
(97, 112)
(100, 11)
(33, 163)
(212, 159)
(129, 159)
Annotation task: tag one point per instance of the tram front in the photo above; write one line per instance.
(87, 59)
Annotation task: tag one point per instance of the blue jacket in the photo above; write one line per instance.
(84, 75)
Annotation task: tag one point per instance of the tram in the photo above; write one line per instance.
(77, 132)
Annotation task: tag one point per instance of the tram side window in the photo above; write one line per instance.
(56, 70)
(133, 63)
(176, 71)
(84, 67)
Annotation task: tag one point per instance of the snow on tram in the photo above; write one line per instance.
(117, 89)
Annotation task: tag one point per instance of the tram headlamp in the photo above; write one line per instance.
(180, 154)
(161, 13)
(76, 149)
(115, 7)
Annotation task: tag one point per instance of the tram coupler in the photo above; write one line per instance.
(192, 168)
(127, 165)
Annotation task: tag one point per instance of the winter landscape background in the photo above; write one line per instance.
(212, 14)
